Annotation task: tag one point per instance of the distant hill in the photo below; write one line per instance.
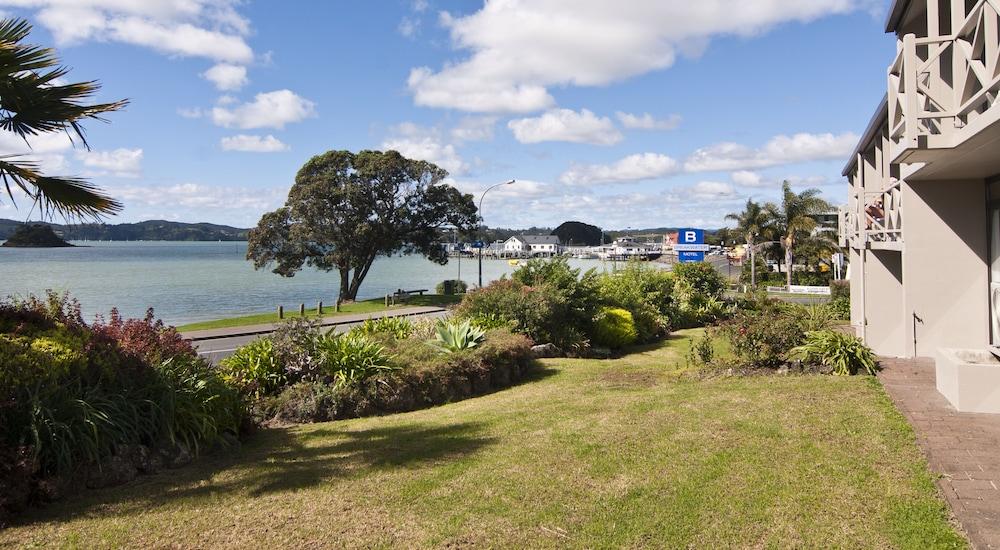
(151, 230)
(34, 236)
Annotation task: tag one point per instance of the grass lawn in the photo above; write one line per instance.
(588, 454)
(364, 306)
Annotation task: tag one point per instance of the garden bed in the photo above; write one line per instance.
(592, 453)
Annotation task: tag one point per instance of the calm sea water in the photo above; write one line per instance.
(186, 282)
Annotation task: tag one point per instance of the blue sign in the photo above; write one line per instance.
(691, 245)
(478, 244)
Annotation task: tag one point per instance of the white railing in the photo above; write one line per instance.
(848, 228)
(878, 220)
(883, 215)
(938, 85)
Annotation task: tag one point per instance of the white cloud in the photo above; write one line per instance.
(267, 110)
(46, 150)
(122, 163)
(473, 128)
(190, 112)
(196, 195)
(645, 121)
(420, 5)
(747, 178)
(518, 49)
(408, 27)
(779, 150)
(632, 168)
(253, 144)
(416, 142)
(709, 190)
(566, 125)
(211, 29)
(226, 76)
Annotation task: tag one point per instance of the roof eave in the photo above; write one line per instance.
(895, 15)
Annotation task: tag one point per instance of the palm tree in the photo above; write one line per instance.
(795, 219)
(34, 101)
(751, 224)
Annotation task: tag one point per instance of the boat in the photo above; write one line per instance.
(514, 262)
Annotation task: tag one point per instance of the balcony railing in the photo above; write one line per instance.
(939, 85)
(877, 224)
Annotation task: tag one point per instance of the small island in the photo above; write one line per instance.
(35, 236)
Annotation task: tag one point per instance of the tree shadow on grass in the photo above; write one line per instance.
(279, 460)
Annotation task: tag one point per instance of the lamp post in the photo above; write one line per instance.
(481, 226)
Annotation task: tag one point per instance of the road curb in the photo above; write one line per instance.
(332, 323)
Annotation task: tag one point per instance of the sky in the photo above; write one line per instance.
(638, 113)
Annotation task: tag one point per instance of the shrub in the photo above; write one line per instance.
(294, 343)
(840, 289)
(763, 339)
(703, 278)
(254, 369)
(644, 292)
(456, 336)
(839, 308)
(614, 328)
(73, 397)
(431, 379)
(451, 286)
(815, 317)
(399, 328)
(843, 353)
(198, 406)
(146, 339)
(351, 357)
(490, 321)
(578, 291)
(702, 351)
(541, 313)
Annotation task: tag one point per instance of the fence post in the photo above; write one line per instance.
(281, 312)
(336, 305)
(386, 300)
(302, 310)
(319, 308)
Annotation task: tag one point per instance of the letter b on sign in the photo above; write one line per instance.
(690, 237)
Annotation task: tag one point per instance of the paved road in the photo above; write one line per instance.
(217, 344)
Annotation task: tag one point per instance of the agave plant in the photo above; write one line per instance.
(457, 336)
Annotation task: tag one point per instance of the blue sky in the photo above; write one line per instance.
(622, 114)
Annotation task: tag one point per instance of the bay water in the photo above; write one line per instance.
(195, 281)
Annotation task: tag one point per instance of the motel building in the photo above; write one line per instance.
(922, 222)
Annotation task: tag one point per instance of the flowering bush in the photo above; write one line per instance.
(763, 339)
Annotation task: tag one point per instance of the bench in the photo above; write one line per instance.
(402, 295)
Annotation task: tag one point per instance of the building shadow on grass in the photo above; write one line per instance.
(278, 460)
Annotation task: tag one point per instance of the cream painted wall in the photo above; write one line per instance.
(885, 331)
(945, 265)
(857, 292)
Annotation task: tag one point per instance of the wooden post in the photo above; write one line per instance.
(281, 312)
(302, 310)
(386, 300)
(319, 308)
(336, 306)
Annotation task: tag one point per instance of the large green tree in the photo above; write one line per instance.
(33, 101)
(346, 209)
(752, 223)
(795, 219)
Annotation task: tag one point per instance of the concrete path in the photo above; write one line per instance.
(218, 343)
(964, 448)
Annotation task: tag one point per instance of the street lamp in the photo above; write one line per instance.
(481, 226)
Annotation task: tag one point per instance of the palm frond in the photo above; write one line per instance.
(33, 101)
(71, 198)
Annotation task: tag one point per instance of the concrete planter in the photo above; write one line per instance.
(969, 379)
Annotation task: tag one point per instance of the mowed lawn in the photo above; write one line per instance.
(588, 454)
